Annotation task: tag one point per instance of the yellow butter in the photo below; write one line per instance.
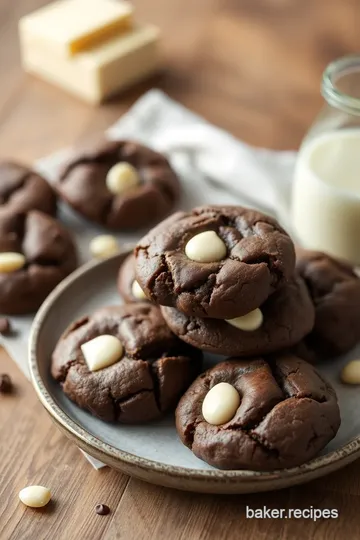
(99, 72)
(70, 26)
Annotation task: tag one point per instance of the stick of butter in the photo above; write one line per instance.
(90, 60)
(70, 26)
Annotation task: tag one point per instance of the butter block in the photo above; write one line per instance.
(70, 26)
(98, 72)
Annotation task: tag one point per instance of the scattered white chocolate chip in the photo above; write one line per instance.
(350, 373)
(35, 496)
(220, 404)
(104, 246)
(11, 261)
(249, 322)
(137, 291)
(122, 177)
(102, 351)
(206, 247)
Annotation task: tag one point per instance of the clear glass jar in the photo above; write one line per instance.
(326, 191)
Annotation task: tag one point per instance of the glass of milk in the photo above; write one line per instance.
(326, 192)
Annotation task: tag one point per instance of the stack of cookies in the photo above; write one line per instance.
(225, 278)
(226, 281)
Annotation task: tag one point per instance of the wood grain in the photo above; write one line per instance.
(254, 69)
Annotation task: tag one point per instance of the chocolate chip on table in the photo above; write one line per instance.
(102, 509)
(5, 384)
(5, 326)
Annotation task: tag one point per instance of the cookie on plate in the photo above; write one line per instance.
(283, 320)
(258, 414)
(36, 253)
(216, 261)
(335, 291)
(22, 189)
(123, 364)
(127, 283)
(119, 184)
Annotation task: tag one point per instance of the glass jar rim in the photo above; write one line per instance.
(331, 92)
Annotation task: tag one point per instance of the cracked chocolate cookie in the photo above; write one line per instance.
(123, 364)
(216, 261)
(36, 253)
(283, 320)
(22, 189)
(335, 291)
(128, 285)
(119, 184)
(258, 414)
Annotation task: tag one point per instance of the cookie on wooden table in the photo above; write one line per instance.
(123, 364)
(215, 261)
(36, 253)
(127, 283)
(335, 292)
(258, 414)
(22, 189)
(281, 321)
(118, 184)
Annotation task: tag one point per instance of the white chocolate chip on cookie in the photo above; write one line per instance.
(206, 247)
(121, 178)
(137, 291)
(11, 261)
(249, 322)
(220, 404)
(104, 246)
(102, 352)
(35, 496)
(350, 374)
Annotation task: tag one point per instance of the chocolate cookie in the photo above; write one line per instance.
(216, 261)
(119, 184)
(128, 286)
(36, 253)
(283, 320)
(22, 189)
(145, 379)
(258, 414)
(335, 291)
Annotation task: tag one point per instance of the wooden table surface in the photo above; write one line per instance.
(252, 67)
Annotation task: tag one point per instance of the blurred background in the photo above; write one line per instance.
(253, 67)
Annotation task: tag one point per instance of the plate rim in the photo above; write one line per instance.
(318, 466)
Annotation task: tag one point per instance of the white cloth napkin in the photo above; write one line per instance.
(213, 166)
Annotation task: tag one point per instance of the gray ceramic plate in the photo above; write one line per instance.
(153, 452)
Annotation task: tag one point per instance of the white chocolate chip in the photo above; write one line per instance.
(35, 496)
(137, 291)
(249, 322)
(104, 246)
(206, 247)
(220, 404)
(122, 177)
(350, 374)
(11, 261)
(102, 351)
